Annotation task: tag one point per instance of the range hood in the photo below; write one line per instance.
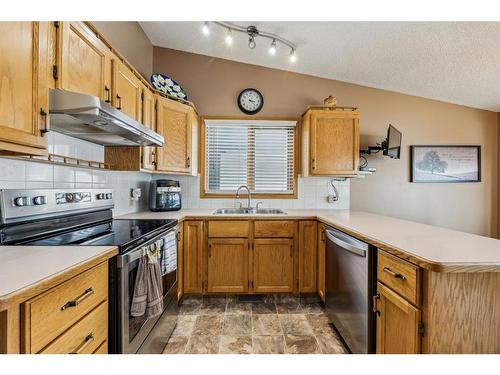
(92, 119)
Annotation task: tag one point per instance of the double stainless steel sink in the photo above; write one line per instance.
(249, 211)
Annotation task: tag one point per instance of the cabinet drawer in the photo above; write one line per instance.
(274, 228)
(400, 276)
(53, 312)
(228, 229)
(85, 337)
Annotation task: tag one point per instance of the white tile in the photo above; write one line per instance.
(64, 174)
(83, 185)
(12, 184)
(39, 172)
(99, 177)
(39, 185)
(64, 185)
(83, 175)
(12, 170)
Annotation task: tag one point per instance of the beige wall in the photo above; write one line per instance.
(129, 39)
(213, 85)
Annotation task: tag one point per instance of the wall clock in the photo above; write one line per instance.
(250, 101)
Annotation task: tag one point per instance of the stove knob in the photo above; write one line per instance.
(109, 196)
(69, 197)
(21, 201)
(100, 196)
(77, 197)
(40, 200)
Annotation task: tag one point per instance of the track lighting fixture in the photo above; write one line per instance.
(253, 33)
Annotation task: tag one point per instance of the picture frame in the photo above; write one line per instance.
(445, 163)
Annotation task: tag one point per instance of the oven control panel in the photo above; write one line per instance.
(23, 204)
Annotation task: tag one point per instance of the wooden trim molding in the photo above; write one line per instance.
(202, 157)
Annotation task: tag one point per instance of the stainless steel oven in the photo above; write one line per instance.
(350, 284)
(139, 334)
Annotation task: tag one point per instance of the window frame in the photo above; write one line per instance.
(203, 157)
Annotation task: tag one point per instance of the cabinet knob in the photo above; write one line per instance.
(118, 102)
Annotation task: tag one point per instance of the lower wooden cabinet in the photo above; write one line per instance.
(273, 265)
(227, 265)
(397, 324)
(193, 256)
(308, 256)
(321, 261)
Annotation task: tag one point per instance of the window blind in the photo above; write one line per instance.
(259, 154)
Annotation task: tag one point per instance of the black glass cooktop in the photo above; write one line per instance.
(86, 230)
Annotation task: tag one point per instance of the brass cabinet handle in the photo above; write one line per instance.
(313, 164)
(108, 94)
(45, 129)
(119, 103)
(188, 162)
(323, 236)
(291, 251)
(86, 341)
(394, 274)
(88, 292)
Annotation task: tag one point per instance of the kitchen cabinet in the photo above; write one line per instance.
(321, 261)
(24, 86)
(227, 265)
(148, 120)
(397, 323)
(84, 62)
(180, 262)
(127, 91)
(193, 256)
(308, 258)
(178, 124)
(330, 142)
(273, 265)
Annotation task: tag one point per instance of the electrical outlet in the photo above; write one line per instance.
(331, 198)
(135, 194)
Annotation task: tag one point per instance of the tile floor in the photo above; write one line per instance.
(276, 325)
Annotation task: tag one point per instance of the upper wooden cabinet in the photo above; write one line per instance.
(330, 142)
(84, 61)
(127, 91)
(23, 87)
(178, 124)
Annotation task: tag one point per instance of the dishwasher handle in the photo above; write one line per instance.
(347, 242)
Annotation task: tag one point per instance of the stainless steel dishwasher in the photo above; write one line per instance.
(350, 285)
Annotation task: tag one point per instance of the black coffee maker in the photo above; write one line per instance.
(165, 195)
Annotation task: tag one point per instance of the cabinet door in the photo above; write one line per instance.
(227, 265)
(148, 120)
(174, 123)
(308, 259)
(127, 91)
(397, 324)
(334, 143)
(180, 262)
(84, 62)
(321, 261)
(23, 86)
(273, 265)
(193, 256)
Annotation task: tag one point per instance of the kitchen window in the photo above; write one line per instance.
(256, 153)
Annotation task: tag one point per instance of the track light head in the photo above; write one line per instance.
(205, 29)
(229, 37)
(251, 42)
(272, 49)
(293, 56)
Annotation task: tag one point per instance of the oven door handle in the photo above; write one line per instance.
(345, 245)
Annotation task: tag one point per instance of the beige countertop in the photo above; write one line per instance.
(26, 271)
(433, 248)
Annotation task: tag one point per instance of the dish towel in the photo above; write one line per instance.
(169, 258)
(148, 289)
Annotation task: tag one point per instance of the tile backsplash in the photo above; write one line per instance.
(312, 193)
(23, 174)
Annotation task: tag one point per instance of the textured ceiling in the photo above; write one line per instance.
(456, 62)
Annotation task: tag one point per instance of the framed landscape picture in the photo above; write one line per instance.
(445, 163)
